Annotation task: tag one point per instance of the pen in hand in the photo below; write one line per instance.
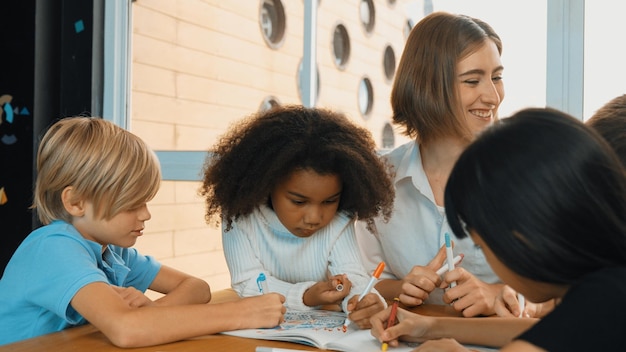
(368, 288)
(522, 304)
(444, 267)
(449, 256)
(261, 282)
(392, 319)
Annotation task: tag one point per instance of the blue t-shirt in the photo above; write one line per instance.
(47, 270)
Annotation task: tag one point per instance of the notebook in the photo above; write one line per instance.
(324, 330)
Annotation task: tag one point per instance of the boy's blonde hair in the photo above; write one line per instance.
(106, 165)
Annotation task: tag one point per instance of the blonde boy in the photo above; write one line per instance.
(94, 180)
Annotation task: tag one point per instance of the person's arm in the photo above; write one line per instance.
(126, 326)
(389, 288)
(486, 331)
(452, 345)
(179, 288)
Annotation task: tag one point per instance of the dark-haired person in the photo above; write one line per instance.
(610, 122)
(551, 219)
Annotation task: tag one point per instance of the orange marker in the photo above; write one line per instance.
(368, 288)
(392, 319)
(338, 284)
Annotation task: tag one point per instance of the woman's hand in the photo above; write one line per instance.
(421, 281)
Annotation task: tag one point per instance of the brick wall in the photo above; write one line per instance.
(199, 65)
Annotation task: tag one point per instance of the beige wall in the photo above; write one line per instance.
(199, 65)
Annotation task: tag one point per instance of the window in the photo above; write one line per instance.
(365, 97)
(428, 7)
(389, 63)
(408, 25)
(389, 140)
(368, 15)
(341, 46)
(268, 103)
(302, 90)
(604, 70)
(273, 23)
(524, 75)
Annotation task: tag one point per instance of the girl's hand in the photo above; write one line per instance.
(410, 327)
(361, 311)
(471, 295)
(326, 293)
(133, 297)
(507, 305)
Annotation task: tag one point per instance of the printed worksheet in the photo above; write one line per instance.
(324, 329)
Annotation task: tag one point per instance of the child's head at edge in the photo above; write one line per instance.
(610, 122)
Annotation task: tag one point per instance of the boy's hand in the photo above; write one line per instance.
(264, 311)
(133, 297)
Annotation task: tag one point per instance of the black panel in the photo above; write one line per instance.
(16, 126)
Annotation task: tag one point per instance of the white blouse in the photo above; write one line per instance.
(260, 243)
(417, 227)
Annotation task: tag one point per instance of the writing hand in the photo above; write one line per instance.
(410, 327)
(361, 311)
(264, 311)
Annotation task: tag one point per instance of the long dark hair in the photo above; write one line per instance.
(546, 193)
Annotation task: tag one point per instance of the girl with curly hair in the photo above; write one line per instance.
(287, 185)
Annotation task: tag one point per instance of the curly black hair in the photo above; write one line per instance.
(260, 151)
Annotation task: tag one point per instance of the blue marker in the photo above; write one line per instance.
(449, 256)
(261, 282)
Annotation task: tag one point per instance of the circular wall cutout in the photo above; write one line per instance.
(273, 23)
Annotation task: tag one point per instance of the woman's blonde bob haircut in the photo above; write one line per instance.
(104, 164)
(424, 96)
